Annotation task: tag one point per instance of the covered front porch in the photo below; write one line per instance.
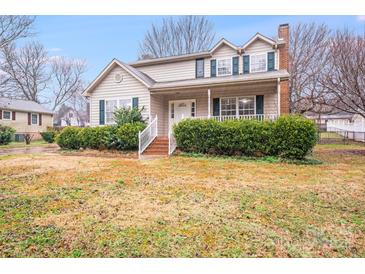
(260, 100)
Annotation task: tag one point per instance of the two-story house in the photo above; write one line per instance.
(226, 82)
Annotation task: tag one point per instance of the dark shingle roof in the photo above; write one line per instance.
(22, 105)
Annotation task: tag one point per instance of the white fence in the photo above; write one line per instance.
(350, 130)
(146, 137)
(259, 117)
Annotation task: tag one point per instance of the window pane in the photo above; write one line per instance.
(258, 63)
(124, 103)
(34, 119)
(228, 106)
(246, 106)
(6, 115)
(200, 68)
(192, 109)
(224, 67)
(172, 111)
(110, 107)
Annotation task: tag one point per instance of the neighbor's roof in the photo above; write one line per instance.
(225, 80)
(140, 76)
(22, 105)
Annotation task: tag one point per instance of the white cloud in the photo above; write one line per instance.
(55, 49)
(361, 18)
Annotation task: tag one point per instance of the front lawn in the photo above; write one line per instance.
(81, 205)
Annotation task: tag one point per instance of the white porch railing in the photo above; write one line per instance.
(259, 117)
(146, 136)
(172, 142)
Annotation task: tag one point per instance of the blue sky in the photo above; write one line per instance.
(98, 39)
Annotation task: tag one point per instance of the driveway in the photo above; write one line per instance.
(28, 150)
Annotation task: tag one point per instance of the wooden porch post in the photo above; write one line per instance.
(208, 103)
(278, 89)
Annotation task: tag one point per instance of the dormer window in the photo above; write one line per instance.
(224, 67)
(258, 62)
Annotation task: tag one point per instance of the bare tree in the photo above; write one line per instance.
(26, 69)
(67, 79)
(186, 34)
(308, 56)
(13, 27)
(344, 79)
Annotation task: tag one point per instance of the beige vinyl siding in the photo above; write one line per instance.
(180, 70)
(20, 124)
(260, 46)
(127, 89)
(157, 109)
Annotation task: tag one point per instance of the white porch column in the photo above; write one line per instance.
(278, 89)
(208, 103)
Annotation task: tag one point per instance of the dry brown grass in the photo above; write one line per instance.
(92, 204)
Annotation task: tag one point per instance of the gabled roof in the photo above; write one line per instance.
(259, 36)
(223, 42)
(138, 75)
(22, 105)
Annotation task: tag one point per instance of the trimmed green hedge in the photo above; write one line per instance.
(6, 134)
(290, 137)
(49, 136)
(124, 137)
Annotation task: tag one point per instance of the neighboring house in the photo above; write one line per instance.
(324, 119)
(226, 82)
(25, 117)
(67, 116)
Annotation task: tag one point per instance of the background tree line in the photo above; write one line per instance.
(327, 66)
(28, 72)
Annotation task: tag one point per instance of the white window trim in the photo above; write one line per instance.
(11, 114)
(216, 68)
(237, 104)
(267, 65)
(113, 99)
(31, 118)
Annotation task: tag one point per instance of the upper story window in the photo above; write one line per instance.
(200, 68)
(6, 115)
(224, 67)
(34, 118)
(258, 63)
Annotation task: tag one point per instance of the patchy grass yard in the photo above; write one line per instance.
(35, 143)
(77, 205)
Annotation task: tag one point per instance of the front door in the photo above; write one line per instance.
(180, 109)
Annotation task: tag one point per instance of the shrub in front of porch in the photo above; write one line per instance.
(289, 137)
(124, 137)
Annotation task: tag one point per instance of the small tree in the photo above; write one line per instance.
(128, 115)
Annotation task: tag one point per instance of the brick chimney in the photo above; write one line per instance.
(283, 34)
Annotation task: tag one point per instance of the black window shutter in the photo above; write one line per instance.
(246, 64)
(101, 112)
(29, 118)
(270, 61)
(215, 106)
(13, 115)
(259, 104)
(213, 68)
(135, 102)
(1, 114)
(235, 65)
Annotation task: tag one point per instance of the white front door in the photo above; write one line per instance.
(180, 109)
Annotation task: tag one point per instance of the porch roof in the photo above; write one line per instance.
(220, 81)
